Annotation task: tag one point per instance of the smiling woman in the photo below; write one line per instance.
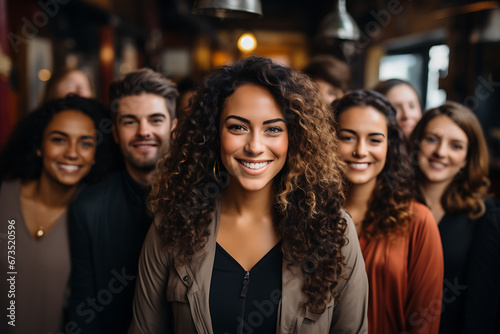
(451, 164)
(48, 156)
(250, 235)
(398, 236)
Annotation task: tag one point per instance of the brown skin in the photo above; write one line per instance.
(68, 140)
(363, 139)
(252, 130)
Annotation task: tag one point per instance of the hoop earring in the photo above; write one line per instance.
(216, 171)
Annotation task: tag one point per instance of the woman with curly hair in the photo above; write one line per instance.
(451, 162)
(249, 233)
(47, 157)
(398, 236)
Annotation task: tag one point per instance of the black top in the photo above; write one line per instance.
(458, 234)
(254, 295)
(482, 308)
(107, 227)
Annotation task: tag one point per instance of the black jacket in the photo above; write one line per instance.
(107, 226)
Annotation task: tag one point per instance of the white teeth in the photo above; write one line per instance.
(254, 166)
(69, 168)
(436, 164)
(363, 165)
(144, 146)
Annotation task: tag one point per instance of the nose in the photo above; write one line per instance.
(360, 149)
(254, 146)
(143, 130)
(403, 113)
(71, 152)
(440, 150)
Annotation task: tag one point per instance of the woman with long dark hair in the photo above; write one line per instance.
(451, 162)
(249, 234)
(398, 236)
(47, 157)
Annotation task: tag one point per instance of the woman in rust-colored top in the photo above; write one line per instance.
(398, 236)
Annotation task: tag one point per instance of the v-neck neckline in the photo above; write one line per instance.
(233, 260)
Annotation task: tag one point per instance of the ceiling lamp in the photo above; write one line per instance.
(339, 24)
(238, 9)
(247, 43)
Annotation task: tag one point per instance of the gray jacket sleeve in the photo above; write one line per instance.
(151, 312)
(350, 310)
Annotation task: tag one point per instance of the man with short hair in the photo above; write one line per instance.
(108, 221)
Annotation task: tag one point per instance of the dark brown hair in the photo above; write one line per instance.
(389, 207)
(468, 188)
(309, 188)
(143, 81)
(330, 69)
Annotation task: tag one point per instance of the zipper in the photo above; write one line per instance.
(243, 294)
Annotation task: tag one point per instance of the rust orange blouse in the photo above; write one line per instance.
(406, 277)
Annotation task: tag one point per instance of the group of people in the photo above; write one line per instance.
(275, 204)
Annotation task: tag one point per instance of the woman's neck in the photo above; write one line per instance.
(49, 192)
(433, 193)
(253, 203)
(358, 198)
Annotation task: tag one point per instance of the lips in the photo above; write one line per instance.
(358, 166)
(257, 165)
(436, 164)
(254, 167)
(69, 169)
(144, 146)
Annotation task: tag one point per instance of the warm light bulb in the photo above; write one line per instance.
(247, 43)
(44, 75)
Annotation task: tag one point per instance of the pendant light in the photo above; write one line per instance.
(339, 24)
(238, 9)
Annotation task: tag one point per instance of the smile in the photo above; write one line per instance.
(257, 165)
(68, 168)
(436, 165)
(360, 166)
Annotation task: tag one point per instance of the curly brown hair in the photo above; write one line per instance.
(468, 188)
(389, 208)
(309, 189)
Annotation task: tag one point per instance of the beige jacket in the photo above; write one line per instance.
(171, 299)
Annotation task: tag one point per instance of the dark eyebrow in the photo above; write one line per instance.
(244, 120)
(274, 120)
(126, 116)
(377, 134)
(157, 115)
(58, 133)
(350, 131)
(66, 135)
(88, 137)
(371, 134)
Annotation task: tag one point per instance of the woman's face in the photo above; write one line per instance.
(443, 150)
(254, 138)
(328, 91)
(75, 82)
(68, 147)
(363, 143)
(407, 106)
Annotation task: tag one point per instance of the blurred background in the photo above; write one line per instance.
(447, 49)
